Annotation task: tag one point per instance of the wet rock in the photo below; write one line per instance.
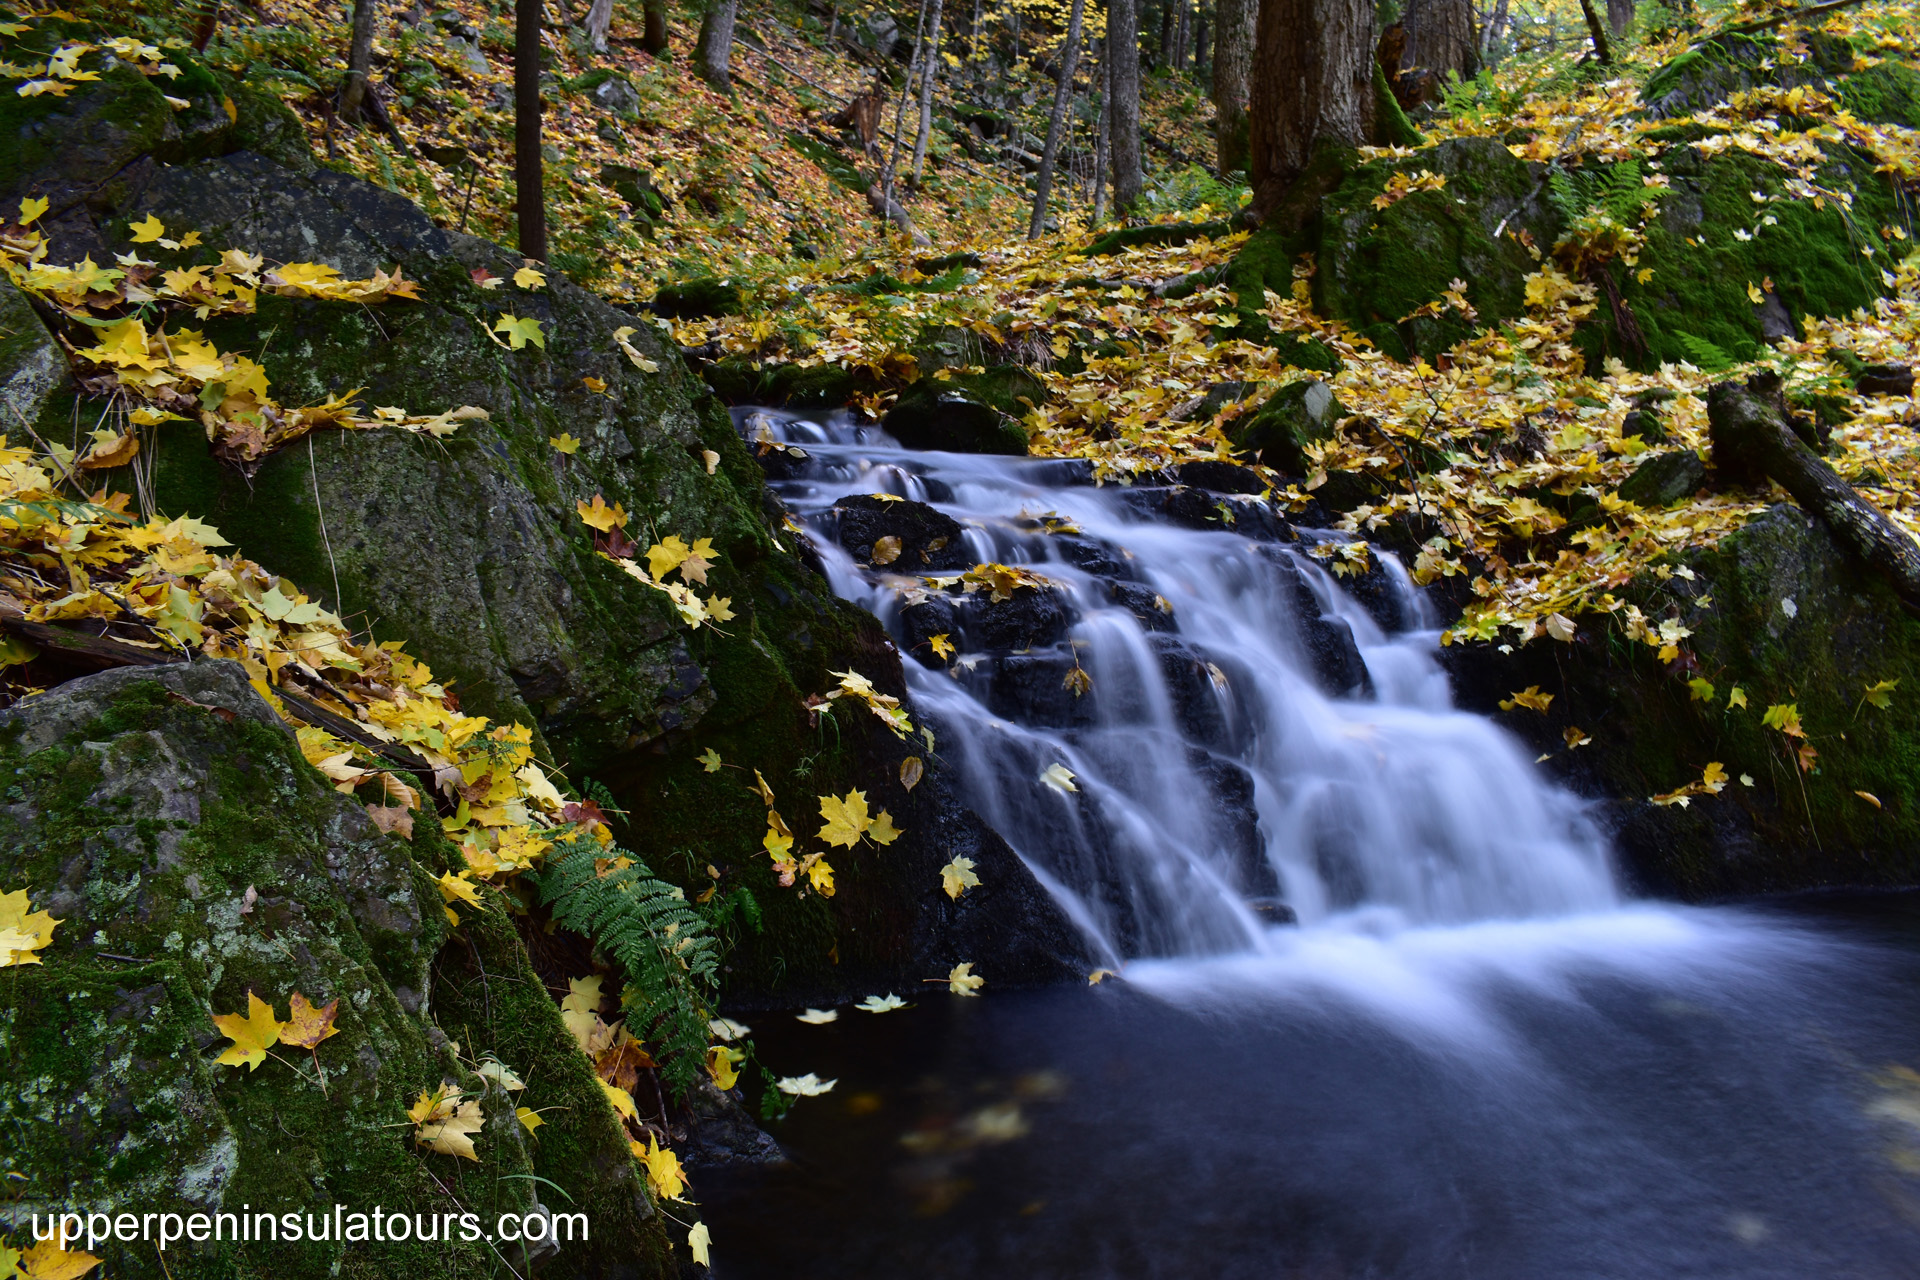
(927, 540)
(1336, 658)
(1033, 689)
(1143, 602)
(1298, 414)
(932, 414)
(1197, 687)
(722, 1135)
(1884, 380)
(1665, 479)
(1091, 555)
(1219, 476)
(1031, 617)
(1236, 822)
(1205, 509)
(920, 622)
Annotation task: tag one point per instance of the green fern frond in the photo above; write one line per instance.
(1704, 354)
(669, 953)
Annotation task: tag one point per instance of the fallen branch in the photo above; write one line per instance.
(1779, 19)
(97, 652)
(1753, 442)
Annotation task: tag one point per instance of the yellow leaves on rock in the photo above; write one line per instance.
(30, 210)
(963, 981)
(623, 338)
(46, 1260)
(1786, 718)
(620, 1100)
(1701, 690)
(1401, 185)
(1712, 781)
(957, 877)
(307, 1026)
(941, 645)
(24, 932)
(528, 278)
(458, 888)
(1530, 698)
(446, 1122)
(565, 443)
(1000, 581)
(723, 1065)
(710, 761)
(147, 230)
(911, 770)
(846, 821)
(664, 1174)
(1880, 694)
(885, 550)
(883, 705)
(252, 1034)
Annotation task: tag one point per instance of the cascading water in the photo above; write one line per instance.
(1471, 1060)
(1224, 678)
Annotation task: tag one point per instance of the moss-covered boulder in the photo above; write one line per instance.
(698, 299)
(166, 818)
(1781, 611)
(1665, 479)
(1884, 93)
(1714, 70)
(1377, 266)
(1301, 413)
(739, 381)
(955, 415)
(32, 365)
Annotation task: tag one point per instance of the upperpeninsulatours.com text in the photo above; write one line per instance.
(351, 1226)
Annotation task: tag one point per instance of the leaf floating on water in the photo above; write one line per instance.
(818, 1017)
(881, 1004)
(806, 1086)
(1059, 777)
(963, 981)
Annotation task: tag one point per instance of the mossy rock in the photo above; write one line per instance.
(166, 817)
(1177, 233)
(1885, 93)
(933, 414)
(739, 381)
(1665, 479)
(702, 298)
(32, 365)
(1714, 70)
(1301, 413)
(1378, 265)
(1781, 610)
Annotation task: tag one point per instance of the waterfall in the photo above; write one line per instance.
(1193, 732)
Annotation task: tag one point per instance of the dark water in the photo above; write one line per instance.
(1645, 1092)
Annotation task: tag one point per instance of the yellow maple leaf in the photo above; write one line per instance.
(1878, 694)
(941, 645)
(520, 330)
(1736, 697)
(882, 831)
(528, 278)
(957, 877)
(1530, 698)
(30, 209)
(564, 443)
(600, 516)
(665, 556)
(252, 1035)
(664, 1173)
(700, 1241)
(443, 1123)
(23, 931)
(820, 874)
(620, 1099)
(846, 819)
(48, 1261)
(1714, 778)
(963, 981)
(307, 1026)
(710, 760)
(147, 230)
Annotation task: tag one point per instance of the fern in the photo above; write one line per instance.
(667, 949)
(1704, 354)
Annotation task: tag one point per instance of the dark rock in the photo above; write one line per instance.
(1031, 617)
(935, 415)
(1301, 413)
(1033, 689)
(722, 1135)
(942, 265)
(1665, 479)
(1220, 477)
(616, 95)
(32, 365)
(635, 185)
(1143, 602)
(1197, 701)
(921, 621)
(1092, 555)
(1336, 658)
(929, 540)
(698, 299)
(1884, 380)
(1204, 509)
(1643, 419)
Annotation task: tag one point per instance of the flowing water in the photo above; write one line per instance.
(1383, 1011)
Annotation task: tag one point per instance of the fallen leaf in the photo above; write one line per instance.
(818, 1017)
(710, 760)
(520, 330)
(307, 1026)
(962, 981)
(1531, 698)
(941, 645)
(1059, 777)
(664, 1173)
(1870, 798)
(881, 1004)
(957, 877)
(48, 1261)
(698, 1242)
(1098, 976)
(394, 819)
(886, 550)
(252, 1035)
(445, 1124)
(528, 278)
(910, 771)
(564, 443)
(806, 1086)
(529, 1117)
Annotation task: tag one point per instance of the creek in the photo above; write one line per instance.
(1382, 1008)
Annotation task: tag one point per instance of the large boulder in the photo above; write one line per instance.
(1301, 413)
(936, 413)
(166, 818)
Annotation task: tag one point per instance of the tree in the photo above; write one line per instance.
(929, 72)
(1312, 84)
(1620, 15)
(1440, 38)
(530, 200)
(653, 36)
(599, 19)
(1232, 64)
(1101, 129)
(1123, 113)
(713, 52)
(359, 59)
(1043, 182)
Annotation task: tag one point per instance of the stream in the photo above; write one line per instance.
(1382, 1009)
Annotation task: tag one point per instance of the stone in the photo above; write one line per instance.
(935, 415)
(616, 95)
(928, 540)
(1300, 413)
(1665, 479)
(1884, 380)
(701, 298)
(32, 365)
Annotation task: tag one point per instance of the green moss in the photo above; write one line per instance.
(1885, 93)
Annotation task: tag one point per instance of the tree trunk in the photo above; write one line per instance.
(1602, 53)
(885, 185)
(1232, 67)
(530, 202)
(1182, 34)
(359, 59)
(1312, 83)
(1752, 442)
(929, 75)
(1102, 127)
(1162, 51)
(1492, 33)
(713, 53)
(1123, 114)
(653, 36)
(1069, 57)
(1440, 38)
(1620, 16)
(599, 19)
(1202, 51)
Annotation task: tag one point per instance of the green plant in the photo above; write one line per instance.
(666, 947)
(1604, 207)
(1704, 354)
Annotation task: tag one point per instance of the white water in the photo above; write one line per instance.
(1378, 811)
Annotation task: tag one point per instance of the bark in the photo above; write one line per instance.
(1601, 51)
(1163, 50)
(1101, 129)
(1492, 33)
(599, 19)
(1620, 16)
(653, 36)
(890, 209)
(929, 74)
(1752, 440)
(885, 188)
(1182, 34)
(713, 52)
(1123, 113)
(359, 59)
(1202, 51)
(1312, 83)
(1232, 66)
(209, 20)
(1069, 58)
(530, 202)
(1440, 38)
